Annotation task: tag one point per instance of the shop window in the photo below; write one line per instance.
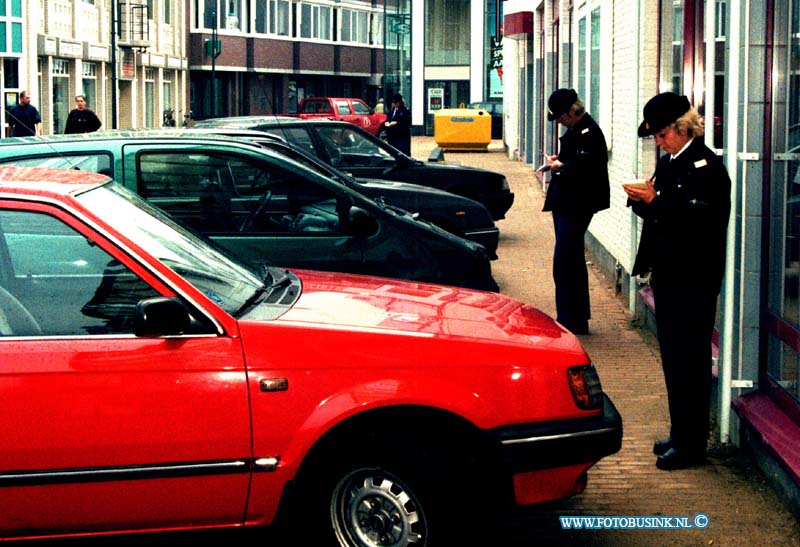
(592, 62)
(149, 97)
(62, 96)
(89, 83)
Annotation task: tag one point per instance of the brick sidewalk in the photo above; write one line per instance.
(742, 509)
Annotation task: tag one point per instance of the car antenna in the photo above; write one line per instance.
(277, 119)
(43, 140)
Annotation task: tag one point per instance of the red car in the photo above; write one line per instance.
(342, 109)
(151, 382)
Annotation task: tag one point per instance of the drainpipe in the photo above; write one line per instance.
(731, 163)
(634, 234)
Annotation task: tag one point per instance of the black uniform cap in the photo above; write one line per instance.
(560, 102)
(662, 110)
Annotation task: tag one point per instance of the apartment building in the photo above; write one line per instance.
(270, 54)
(738, 61)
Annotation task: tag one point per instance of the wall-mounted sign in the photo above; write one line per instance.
(435, 99)
(127, 64)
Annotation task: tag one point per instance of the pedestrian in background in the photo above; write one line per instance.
(398, 125)
(685, 206)
(380, 108)
(24, 119)
(577, 190)
(81, 119)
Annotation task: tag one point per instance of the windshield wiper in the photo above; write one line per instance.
(280, 281)
(271, 282)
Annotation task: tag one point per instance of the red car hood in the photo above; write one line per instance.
(372, 304)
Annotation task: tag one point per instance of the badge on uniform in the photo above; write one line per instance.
(700, 163)
(585, 130)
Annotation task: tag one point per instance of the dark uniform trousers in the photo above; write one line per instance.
(683, 245)
(569, 270)
(685, 321)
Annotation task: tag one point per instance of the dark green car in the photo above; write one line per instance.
(263, 206)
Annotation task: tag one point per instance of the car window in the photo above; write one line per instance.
(311, 107)
(343, 108)
(360, 108)
(217, 194)
(96, 163)
(56, 282)
(351, 148)
(298, 136)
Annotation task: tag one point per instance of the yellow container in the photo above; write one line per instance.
(462, 129)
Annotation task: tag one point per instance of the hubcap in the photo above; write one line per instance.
(370, 508)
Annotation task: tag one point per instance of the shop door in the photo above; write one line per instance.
(783, 362)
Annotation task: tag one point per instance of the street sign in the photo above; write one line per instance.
(213, 48)
(401, 28)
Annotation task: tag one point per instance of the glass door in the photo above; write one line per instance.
(783, 361)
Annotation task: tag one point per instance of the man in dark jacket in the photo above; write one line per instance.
(81, 119)
(685, 206)
(24, 119)
(578, 189)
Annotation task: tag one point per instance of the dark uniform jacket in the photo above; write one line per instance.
(685, 226)
(399, 135)
(581, 184)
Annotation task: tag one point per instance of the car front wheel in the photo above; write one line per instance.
(387, 494)
(370, 507)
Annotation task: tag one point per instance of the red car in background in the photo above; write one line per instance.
(343, 109)
(150, 382)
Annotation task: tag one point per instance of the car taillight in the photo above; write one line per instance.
(585, 386)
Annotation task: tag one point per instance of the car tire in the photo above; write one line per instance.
(393, 497)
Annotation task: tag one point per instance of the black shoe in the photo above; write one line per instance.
(661, 446)
(673, 459)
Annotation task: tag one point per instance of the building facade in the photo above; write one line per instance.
(273, 53)
(57, 49)
(168, 58)
(738, 62)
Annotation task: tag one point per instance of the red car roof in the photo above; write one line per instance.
(45, 180)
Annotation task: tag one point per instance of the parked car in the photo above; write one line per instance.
(458, 215)
(495, 110)
(263, 206)
(345, 109)
(151, 382)
(350, 148)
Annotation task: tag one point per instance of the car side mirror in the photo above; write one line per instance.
(362, 224)
(160, 316)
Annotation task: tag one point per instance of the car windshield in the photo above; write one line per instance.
(222, 278)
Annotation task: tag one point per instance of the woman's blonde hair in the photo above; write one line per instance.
(691, 124)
